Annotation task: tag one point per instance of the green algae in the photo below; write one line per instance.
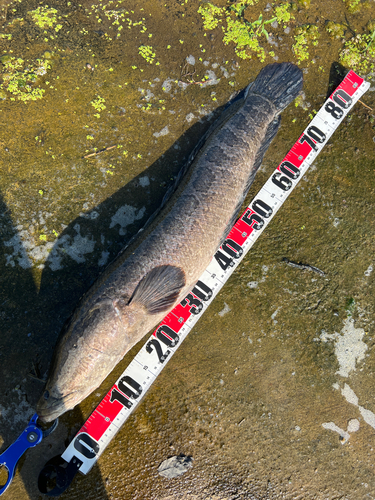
(353, 6)
(98, 105)
(211, 15)
(249, 36)
(305, 36)
(244, 34)
(304, 3)
(146, 51)
(335, 30)
(45, 17)
(20, 77)
(350, 306)
(359, 53)
(116, 18)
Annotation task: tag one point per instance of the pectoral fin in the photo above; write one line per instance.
(159, 288)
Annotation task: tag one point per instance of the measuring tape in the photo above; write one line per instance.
(128, 391)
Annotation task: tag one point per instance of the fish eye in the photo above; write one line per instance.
(46, 394)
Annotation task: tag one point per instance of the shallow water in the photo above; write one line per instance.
(265, 391)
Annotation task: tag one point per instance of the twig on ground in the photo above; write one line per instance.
(99, 152)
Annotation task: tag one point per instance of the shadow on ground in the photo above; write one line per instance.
(32, 316)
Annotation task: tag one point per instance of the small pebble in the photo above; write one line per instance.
(190, 60)
(353, 425)
(175, 466)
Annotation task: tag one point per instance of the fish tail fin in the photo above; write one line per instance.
(279, 82)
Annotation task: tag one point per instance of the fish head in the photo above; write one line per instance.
(71, 382)
(99, 335)
(52, 405)
(87, 352)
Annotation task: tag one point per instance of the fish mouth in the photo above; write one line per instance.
(51, 408)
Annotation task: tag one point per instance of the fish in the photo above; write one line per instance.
(145, 282)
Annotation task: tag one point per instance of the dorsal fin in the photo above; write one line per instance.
(269, 136)
(271, 131)
(159, 288)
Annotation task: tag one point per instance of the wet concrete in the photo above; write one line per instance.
(272, 392)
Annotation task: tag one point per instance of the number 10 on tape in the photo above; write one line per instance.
(127, 392)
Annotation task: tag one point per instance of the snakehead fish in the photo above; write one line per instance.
(146, 281)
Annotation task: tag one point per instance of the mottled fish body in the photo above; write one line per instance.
(138, 290)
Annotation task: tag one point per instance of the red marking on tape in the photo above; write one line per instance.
(239, 235)
(103, 416)
(108, 408)
(182, 314)
(243, 228)
(171, 320)
(348, 84)
(95, 425)
(293, 158)
(176, 320)
(247, 215)
(302, 149)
